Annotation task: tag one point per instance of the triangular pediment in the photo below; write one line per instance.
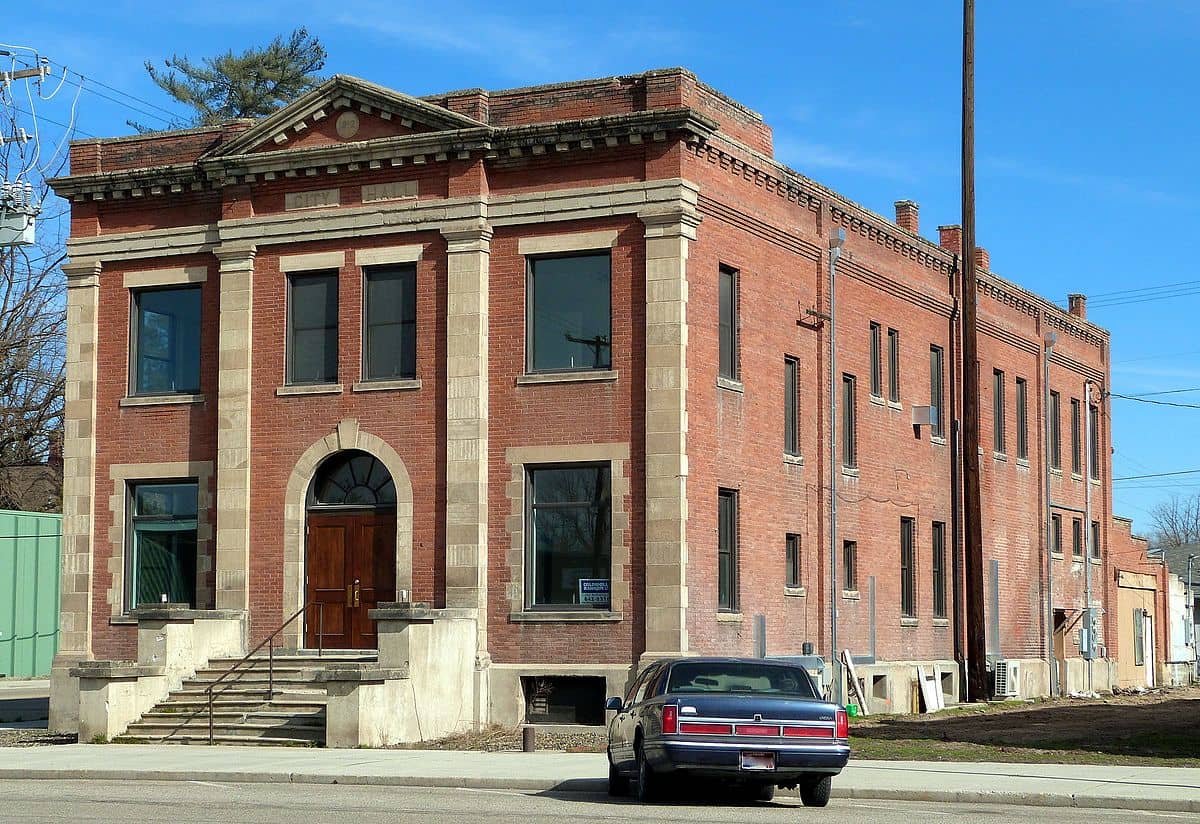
(344, 109)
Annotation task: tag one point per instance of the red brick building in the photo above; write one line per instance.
(557, 357)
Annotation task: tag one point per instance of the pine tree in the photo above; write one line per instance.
(251, 84)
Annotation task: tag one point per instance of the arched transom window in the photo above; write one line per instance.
(352, 478)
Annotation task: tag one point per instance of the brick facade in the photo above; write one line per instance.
(683, 177)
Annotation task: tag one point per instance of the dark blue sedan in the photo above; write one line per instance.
(756, 724)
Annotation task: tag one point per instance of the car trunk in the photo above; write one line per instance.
(747, 706)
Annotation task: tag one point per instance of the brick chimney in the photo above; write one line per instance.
(908, 215)
(982, 259)
(950, 238)
(1077, 306)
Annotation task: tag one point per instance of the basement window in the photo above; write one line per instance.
(564, 699)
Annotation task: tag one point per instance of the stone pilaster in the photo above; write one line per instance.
(79, 491)
(235, 362)
(468, 248)
(669, 230)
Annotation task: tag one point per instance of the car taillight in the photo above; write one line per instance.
(806, 732)
(756, 729)
(670, 719)
(843, 725)
(694, 728)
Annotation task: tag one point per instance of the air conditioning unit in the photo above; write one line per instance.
(924, 416)
(1007, 679)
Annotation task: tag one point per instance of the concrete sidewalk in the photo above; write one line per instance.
(1133, 788)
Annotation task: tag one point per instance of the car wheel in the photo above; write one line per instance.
(617, 784)
(764, 792)
(815, 792)
(647, 781)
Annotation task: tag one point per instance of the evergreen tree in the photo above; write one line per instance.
(251, 84)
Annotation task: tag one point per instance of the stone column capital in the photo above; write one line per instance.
(474, 235)
(83, 272)
(233, 253)
(675, 219)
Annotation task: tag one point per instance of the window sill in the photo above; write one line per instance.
(851, 595)
(937, 440)
(730, 384)
(309, 389)
(161, 400)
(122, 621)
(535, 378)
(909, 622)
(850, 471)
(875, 399)
(1075, 476)
(1054, 471)
(1095, 482)
(897, 405)
(384, 386)
(795, 592)
(1023, 462)
(941, 622)
(1000, 456)
(1096, 561)
(1057, 556)
(729, 617)
(566, 616)
(794, 460)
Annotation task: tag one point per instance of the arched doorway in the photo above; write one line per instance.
(350, 562)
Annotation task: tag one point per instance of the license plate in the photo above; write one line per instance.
(758, 761)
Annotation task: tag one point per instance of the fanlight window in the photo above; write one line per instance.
(352, 478)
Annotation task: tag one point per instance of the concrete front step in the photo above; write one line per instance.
(276, 719)
(246, 729)
(232, 740)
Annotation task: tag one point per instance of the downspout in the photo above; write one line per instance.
(955, 434)
(1087, 535)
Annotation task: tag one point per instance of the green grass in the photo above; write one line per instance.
(917, 749)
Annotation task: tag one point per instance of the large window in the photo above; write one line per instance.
(569, 537)
(727, 550)
(161, 559)
(936, 371)
(166, 341)
(1095, 549)
(998, 434)
(850, 565)
(793, 561)
(1022, 419)
(570, 313)
(894, 365)
(1056, 546)
(1076, 538)
(1054, 431)
(312, 343)
(390, 323)
(908, 572)
(1094, 443)
(1076, 440)
(728, 309)
(791, 403)
(849, 419)
(876, 360)
(938, 565)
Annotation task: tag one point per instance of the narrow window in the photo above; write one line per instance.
(908, 604)
(1056, 546)
(850, 566)
(849, 417)
(727, 551)
(1076, 441)
(390, 323)
(166, 341)
(1022, 419)
(161, 559)
(876, 360)
(938, 566)
(1139, 637)
(998, 411)
(894, 365)
(793, 561)
(1095, 540)
(791, 402)
(729, 323)
(312, 342)
(1076, 538)
(1094, 440)
(569, 544)
(1054, 432)
(569, 306)
(936, 371)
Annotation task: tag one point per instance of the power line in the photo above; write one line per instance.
(1143, 289)
(55, 122)
(117, 91)
(1156, 403)
(1157, 475)
(1166, 392)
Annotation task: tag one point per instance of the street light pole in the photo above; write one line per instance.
(836, 240)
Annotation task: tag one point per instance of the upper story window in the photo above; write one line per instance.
(166, 341)
(791, 403)
(727, 550)
(876, 360)
(998, 425)
(936, 392)
(1054, 432)
(1076, 440)
(849, 423)
(569, 536)
(1094, 442)
(161, 561)
(1022, 419)
(569, 321)
(894, 365)
(312, 328)
(390, 323)
(728, 309)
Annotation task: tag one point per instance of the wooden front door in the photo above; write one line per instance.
(351, 566)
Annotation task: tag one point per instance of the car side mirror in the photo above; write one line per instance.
(615, 704)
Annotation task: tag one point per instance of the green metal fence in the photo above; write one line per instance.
(29, 585)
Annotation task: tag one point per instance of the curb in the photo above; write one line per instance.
(598, 785)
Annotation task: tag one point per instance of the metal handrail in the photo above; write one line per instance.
(269, 642)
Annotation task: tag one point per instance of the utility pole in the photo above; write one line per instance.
(1048, 339)
(972, 506)
(1090, 622)
(836, 240)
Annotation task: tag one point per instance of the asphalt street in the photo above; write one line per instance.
(195, 801)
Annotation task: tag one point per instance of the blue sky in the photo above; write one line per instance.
(1086, 122)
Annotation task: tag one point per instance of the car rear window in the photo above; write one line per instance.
(740, 677)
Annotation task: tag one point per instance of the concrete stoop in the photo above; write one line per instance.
(292, 715)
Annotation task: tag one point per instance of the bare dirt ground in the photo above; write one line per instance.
(1160, 727)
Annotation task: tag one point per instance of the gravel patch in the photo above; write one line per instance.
(502, 739)
(34, 738)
